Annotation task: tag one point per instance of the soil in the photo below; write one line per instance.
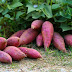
(47, 63)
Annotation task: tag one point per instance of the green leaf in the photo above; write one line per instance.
(47, 11)
(65, 14)
(1, 18)
(8, 6)
(36, 15)
(69, 2)
(7, 16)
(14, 5)
(28, 15)
(65, 27)
(19, 13)
(55, 6)
(14, 1)
(5, 11)
(32, 8)
(1, 9)
(61, 1)
(60, 19)
(70, 10)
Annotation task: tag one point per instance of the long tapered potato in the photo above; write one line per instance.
(68, 39)
(3, 43)
(31, 53)
(28, 36)
(4, 57)
(36, 24)
(39, 40)
(47, 33)
(14, 52)
(18, 33)
(58, 42)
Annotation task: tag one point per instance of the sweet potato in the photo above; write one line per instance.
(39, 40)
(36, 24)
(58, 42)
(14, 52)
(47, 33)
(13, 41)
(28, 36)
(18, 33)
(3, 43)
(68, 39)
(4, 57)
(31, 53)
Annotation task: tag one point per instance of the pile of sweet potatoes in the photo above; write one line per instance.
(44, 34)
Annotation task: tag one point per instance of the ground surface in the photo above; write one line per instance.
(51, 61)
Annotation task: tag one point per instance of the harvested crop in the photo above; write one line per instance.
(31, 53)
(13, 41)
(39, 40)
(58, 42)
(68, 39)
(36, 24)
(3, 43)
(4, 57)
(14, 52)
(47, 33)
(28, 36)
(18, 33)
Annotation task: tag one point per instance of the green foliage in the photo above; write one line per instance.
(58, 10)
(18, 14)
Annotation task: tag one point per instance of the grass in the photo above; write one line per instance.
(52, 57)
(56, 57)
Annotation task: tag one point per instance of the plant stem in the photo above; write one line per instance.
(51, 2)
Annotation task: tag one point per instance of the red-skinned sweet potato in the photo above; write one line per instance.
(18, 33)
(28, 36)
(36, 24)
(14, 52)
(13, 41)
(58, 42)
(3, 43)
(39, 40)
(4, 57)
(68, 39)
(31, 53)
(47, 33)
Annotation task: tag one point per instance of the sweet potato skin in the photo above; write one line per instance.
(58, 42)
(47, 33)
(3, 43)
(68, 39)
(28, 36)
(4, 57)
(14, 52)
(31, 53)
(36, 24)
(39, 40)
(18, 33)
(13, 41)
